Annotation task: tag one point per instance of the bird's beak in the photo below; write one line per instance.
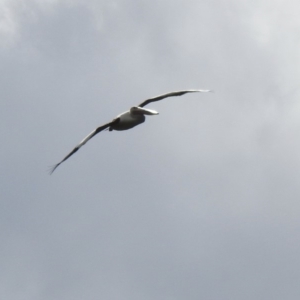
(146, 111)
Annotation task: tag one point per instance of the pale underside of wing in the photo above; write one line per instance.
(171, 94)
(87, 138)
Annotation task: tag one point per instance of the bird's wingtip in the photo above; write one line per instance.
(207, 91)
(51, 169)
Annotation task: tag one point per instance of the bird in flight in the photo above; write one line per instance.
(129, 119)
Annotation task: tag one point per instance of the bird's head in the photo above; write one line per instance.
(136, 110)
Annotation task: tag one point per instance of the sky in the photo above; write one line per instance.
(200, 201)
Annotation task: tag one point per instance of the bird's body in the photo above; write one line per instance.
(131, 118)
(127, 120)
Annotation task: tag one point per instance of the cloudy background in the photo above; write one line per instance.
(199, 202)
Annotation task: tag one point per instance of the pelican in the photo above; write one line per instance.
(129, 119)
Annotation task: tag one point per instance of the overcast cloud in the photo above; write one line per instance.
(199, 202)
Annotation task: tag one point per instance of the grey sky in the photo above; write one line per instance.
(199, 202)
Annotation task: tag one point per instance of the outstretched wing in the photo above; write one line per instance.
(87, 138)
(172, 94)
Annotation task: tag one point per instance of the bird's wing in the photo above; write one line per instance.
(87, 138)
(172, 94)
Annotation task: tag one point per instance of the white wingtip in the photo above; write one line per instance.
(205, 91)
